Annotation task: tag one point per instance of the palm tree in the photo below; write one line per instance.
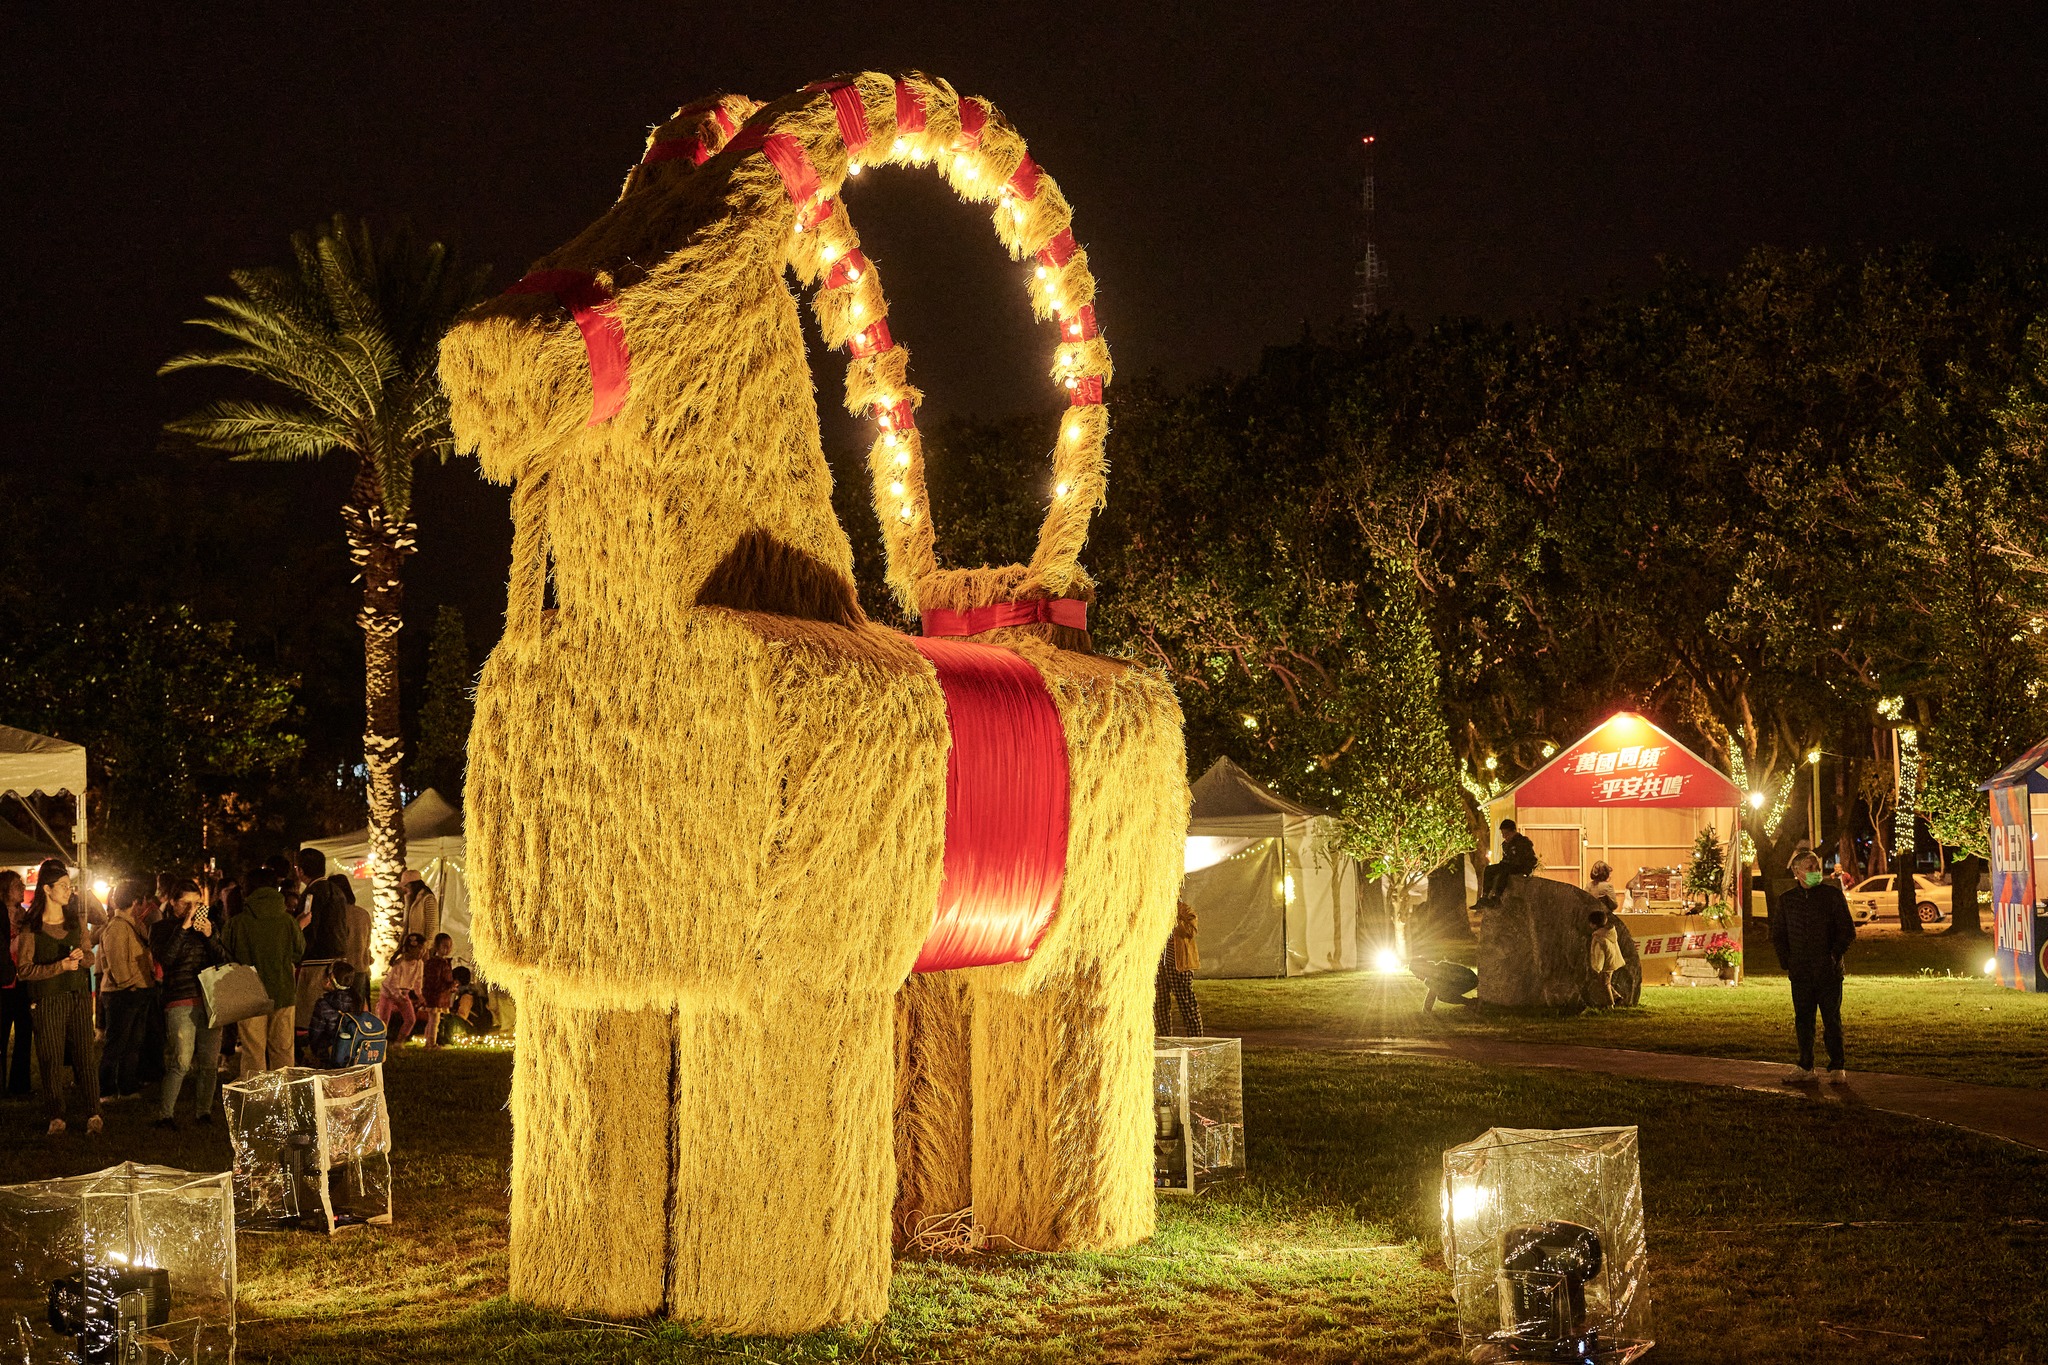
(352, 331)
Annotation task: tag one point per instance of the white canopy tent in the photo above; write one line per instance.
(37, 765)
(1271, 898)
(434, 844)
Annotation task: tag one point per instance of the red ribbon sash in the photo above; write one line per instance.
(604, 337)
(1006, 809)
(1059, 611)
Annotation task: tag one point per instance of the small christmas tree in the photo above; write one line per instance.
(1707, 878)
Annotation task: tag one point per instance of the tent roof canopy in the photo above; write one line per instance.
(2029, 770)
(427, 817)
(32, 763)
(19, 848)
(1228, 792)
(1626, 760)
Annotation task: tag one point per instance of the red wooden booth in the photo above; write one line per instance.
(1629, 795)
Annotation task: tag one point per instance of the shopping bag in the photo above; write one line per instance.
(233, 992)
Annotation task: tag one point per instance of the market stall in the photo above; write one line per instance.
(38, 765)
(1629, 795)
(1272, 896)
(2019, 800)
(434, 843)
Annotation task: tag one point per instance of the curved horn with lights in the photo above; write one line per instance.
(831, 130)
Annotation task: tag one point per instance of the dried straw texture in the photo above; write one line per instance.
(761, 775)
(590, 1100)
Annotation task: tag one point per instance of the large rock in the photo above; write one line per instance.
(1535, 950)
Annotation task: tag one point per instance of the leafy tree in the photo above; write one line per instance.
(351, 330)
(173, 716)
(1984, 624)
(450, 706)
(1401, 814)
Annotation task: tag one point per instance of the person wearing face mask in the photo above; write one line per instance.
(1811, 931)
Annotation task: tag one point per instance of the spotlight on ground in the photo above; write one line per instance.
(1387, 960)
(1991, 966)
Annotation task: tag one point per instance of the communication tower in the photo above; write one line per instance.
(1372, 271)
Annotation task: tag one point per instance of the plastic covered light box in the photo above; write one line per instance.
(133, 1265)
(1543, 1234)
(312, 1148)
(1197, 1113)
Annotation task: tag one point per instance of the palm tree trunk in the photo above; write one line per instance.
(379, 548)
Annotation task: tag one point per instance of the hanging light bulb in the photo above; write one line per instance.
(904, 512)
(858, 309)
(1074, 431)
(1073, 383)
(1059, 490)
(1041, 272)
(827, 252)
(903, 458)
(890, 440)
(899, 146)
(853, 168)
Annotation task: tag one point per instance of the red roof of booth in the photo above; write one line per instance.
(1627, 761)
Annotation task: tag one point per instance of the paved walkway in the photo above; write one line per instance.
(2016, 1115)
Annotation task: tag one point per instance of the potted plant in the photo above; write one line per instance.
(1725, 960)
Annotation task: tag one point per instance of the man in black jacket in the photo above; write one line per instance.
(1517, 859)
(1811, 931)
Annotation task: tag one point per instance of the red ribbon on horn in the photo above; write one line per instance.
(973, 118)
(910, 115)
(847, 108)
(688, 149)
(595, 309)
(1059, 250)
(1025, 181)
(799, 177)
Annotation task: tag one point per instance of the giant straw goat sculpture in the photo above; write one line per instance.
(814, 926)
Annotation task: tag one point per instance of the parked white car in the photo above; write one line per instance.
(1878, 898)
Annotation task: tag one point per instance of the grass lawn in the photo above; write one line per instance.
(1911, 1019)
(1779, 1231)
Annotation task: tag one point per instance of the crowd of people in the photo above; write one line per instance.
(107, 1003)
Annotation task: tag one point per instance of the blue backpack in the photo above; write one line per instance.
(359, 1039)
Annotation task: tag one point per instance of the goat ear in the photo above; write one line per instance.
(518, 381)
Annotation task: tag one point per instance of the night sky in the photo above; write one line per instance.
(1531, 154)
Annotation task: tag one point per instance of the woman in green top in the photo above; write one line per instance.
(54, 952)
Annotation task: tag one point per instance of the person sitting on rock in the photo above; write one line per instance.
(1517, 859)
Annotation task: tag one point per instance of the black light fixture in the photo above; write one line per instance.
(109, 1309)
(1544, 1269)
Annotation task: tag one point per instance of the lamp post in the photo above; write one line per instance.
(1813, 809)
